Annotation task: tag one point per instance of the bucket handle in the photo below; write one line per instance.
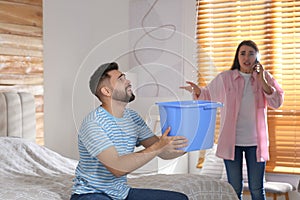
(212, 106)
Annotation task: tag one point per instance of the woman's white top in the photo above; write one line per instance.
(246, 134)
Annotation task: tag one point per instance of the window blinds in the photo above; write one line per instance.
(275, 27)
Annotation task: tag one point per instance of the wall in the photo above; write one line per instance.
(72, 30)
(161, 56)
(79, 37)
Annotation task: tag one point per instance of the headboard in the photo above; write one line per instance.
(17, 115)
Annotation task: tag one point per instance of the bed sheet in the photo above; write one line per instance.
(194, 186)
(33, 172)
(29, 171)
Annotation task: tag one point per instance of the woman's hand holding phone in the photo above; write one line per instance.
(257, 67)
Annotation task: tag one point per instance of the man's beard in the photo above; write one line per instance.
(123, 96)
(132, 97)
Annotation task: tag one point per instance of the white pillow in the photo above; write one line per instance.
(212, 165)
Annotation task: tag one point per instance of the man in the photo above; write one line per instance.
(106, 142)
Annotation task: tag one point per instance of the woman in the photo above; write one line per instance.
(246, 90)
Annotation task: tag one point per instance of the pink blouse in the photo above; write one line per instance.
(227, 87)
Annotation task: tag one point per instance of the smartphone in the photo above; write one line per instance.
(257, 65)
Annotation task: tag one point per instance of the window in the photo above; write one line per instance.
(275, 27)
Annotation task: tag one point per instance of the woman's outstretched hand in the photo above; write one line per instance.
(193, 88)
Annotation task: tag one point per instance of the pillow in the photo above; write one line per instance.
(212, 165)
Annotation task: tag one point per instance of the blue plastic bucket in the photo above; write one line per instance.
(196, 120)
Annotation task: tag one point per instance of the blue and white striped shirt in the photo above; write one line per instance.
(100, 130)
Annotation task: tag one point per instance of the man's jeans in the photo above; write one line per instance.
(136, 194)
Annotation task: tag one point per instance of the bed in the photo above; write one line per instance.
(31, 171)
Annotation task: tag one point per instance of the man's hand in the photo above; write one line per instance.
(171, 146)
(165, 147)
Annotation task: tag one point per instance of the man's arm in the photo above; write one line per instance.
(121, 165)
(170, 153)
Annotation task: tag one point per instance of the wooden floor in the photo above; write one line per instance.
(269, 194)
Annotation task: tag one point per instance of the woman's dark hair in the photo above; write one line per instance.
(250, 43)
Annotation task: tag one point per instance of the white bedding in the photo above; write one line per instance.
(30, 171)
(195, 186)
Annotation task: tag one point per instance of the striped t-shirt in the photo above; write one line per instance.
(100, 130)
